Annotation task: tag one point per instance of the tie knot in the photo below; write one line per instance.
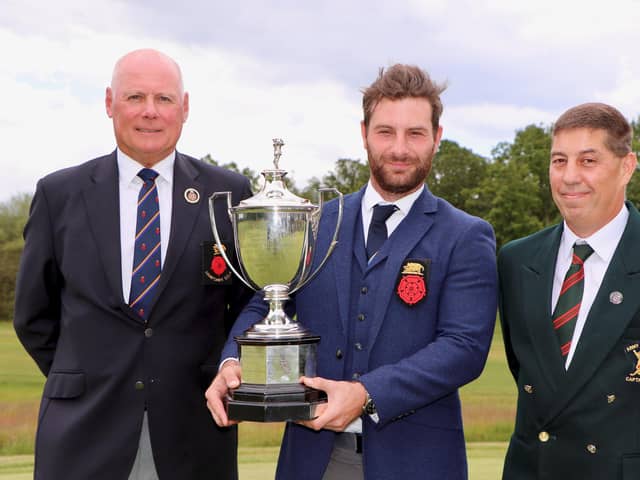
(582, 251)
(382, 212)
(147, 174)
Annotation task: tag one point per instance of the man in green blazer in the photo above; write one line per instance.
(570, 312)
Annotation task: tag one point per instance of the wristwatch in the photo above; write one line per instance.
(369, 407)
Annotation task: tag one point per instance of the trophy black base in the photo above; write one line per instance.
(274, 403)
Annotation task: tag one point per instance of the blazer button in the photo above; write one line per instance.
(355, 376)
(591, 448)
(611, 398)
(361, 317)
(363, 290)
(148, 332)
(338, 354)
(139, 385)
(358, 346)
(528, 388)
(543, 436)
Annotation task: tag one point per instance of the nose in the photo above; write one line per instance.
(571, 173)
(400, 148)
(150, 110)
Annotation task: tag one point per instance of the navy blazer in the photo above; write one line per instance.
(103, 365)
(416, 357)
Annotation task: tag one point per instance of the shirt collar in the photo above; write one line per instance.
(128, 168)
(371, 198)
(604, 242)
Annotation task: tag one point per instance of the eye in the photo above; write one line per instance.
(165, 99)
(558, 161)
(134, 97)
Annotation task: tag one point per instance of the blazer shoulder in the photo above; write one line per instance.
(457, 219)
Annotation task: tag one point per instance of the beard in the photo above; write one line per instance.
(399, 183)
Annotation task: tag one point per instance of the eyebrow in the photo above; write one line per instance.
(581, 152)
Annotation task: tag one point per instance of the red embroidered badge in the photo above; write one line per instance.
(411, 289)
(218, 265)
(412, 283)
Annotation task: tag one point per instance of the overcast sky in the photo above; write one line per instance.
(294, 69)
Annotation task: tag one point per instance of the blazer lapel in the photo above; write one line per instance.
(397, 248)
(606, 321)
(537, 287)
(183, 216)
(105, 222)
(343, 254)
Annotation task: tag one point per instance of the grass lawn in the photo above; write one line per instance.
(259, 463)
(488, 410)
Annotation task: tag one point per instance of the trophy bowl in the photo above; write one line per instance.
(275, 233)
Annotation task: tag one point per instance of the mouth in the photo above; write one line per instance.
(573, 195)
(148, 130)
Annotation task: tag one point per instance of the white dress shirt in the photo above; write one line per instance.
(371, 198)
(604, 243)
(130, 185)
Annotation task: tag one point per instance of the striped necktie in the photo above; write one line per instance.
(566, 311)
(378, 228)
(146, 257)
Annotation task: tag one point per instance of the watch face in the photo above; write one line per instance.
(370, 407)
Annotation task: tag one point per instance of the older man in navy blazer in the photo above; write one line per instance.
(403, 323)
(127, 323)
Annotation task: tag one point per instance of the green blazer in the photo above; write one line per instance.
(582, 423)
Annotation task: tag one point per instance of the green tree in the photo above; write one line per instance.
(348, 176)
(633, 189)
(13, 216)
(531, 148)
(508, 198)
(455, 171)
(254, 178)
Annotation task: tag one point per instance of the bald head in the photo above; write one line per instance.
(147, 104)
(144, 58)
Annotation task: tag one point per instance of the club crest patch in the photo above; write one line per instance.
(214, 269)
(413, 281)
(633, 352)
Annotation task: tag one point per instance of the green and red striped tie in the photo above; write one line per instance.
(146, 257)
(566, 311)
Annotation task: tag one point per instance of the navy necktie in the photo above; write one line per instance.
(378, 228)
(566, 312)
(146, 257)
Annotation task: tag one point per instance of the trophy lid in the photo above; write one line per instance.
(274, 192)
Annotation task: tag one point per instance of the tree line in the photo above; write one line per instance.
(509, 189)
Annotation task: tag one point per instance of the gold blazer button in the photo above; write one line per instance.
(543, 436)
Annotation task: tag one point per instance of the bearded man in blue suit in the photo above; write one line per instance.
(404, 324)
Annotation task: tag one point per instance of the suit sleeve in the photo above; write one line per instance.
(466, 317)
(38, 286)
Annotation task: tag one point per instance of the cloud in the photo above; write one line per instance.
(54, 116)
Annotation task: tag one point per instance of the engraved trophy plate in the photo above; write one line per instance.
(275, 233)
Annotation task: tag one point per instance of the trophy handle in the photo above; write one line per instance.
(214, 227)
(334, 240)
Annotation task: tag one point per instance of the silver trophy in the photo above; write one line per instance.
(275, 235)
